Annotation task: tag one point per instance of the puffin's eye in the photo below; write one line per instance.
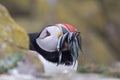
(44, 34)
(47, 33)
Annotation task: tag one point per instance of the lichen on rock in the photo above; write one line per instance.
(11, 33)
(14, 45)
(13, 41)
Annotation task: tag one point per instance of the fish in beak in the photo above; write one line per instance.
(71, 41)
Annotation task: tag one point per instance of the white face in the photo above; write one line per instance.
(48, 38)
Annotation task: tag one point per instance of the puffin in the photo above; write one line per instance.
(57, 47)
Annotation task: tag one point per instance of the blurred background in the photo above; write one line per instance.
(97, 20)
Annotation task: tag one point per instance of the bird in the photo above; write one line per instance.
(57, 47)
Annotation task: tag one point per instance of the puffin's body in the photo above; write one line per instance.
(52, 47)
(53, 67)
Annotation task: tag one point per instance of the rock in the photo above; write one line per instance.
(14, 45)
(30, 65)
(12, 37)
(68, 76)
(13, 41)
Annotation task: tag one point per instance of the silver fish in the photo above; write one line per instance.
(60, 45)
(79, 42)
(64, 39)
(70, 36)
(73, 40)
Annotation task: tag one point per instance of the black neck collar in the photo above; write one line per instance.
(50, 56)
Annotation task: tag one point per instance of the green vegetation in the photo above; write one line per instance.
(9, 62)
(100, 69)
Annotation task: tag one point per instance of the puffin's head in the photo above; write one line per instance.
(60, 38)
(48, 38)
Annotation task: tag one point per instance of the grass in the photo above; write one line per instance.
(100, 69)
